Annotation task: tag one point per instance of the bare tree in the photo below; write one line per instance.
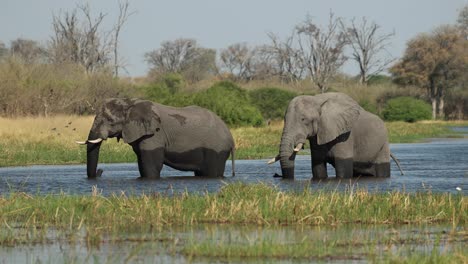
(237, 60)
(284, 58)
(29, 51)
(182, 56)
(367, 45)
(80, 43)
(124, 14)
(78, 38)
(321, 49)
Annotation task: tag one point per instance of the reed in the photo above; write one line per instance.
(236, 203)
(95, 219)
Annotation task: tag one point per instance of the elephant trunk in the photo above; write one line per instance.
(287, 156)
(92, 155)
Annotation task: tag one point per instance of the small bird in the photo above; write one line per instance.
(53, 129)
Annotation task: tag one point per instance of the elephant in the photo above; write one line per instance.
(340, 133)
(188, 139)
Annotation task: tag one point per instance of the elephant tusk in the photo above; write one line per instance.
(273, 160)
(298, 147)
(95, 141)
(81, 142)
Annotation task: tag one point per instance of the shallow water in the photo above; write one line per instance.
(439, 166)
(173, 244)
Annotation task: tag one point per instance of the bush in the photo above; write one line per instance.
(407, 109)
(369, 106)
(272, 102)
(231, 103)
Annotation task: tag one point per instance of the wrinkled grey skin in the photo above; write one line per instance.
(340, 133)
(187, 139)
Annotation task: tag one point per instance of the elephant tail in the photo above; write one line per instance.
(397, 162)
(233, 151)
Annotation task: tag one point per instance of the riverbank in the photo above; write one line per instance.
(27, 141)
(95, 219)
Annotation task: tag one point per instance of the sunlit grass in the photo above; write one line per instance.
(236, 203)
(94, 219)
(38, 140)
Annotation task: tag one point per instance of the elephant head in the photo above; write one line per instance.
(129, 119)
(324, 116)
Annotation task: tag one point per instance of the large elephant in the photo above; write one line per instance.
(188, 139)
(340, 132)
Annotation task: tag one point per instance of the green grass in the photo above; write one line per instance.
(235, 204)
(96, 219)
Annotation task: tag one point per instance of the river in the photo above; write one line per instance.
(440, 165)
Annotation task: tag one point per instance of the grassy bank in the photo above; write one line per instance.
(95, 219)
(237, 203)
(25, 141)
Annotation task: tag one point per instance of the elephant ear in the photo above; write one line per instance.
(338, 115)
(141, 120)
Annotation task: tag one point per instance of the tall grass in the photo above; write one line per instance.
(236, 203)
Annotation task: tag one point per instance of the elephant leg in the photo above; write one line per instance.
(319, 163)
(319, 170)
(344, 168)
(214, 164)
(382, 162)
(342, 156)
(150, 162)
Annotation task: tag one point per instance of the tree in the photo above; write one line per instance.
(29, 51)
(124, 14)
(463, 21)
(366, 45)
(182, 56)
(83, 45)
(78, 39)
(282, 58)
(237, 60)
(321, 49)
(434, 61)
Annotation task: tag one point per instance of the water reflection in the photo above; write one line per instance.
(439, 166)
(177, 244)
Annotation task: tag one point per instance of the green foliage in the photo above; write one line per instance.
(407, 109)
(369, 106)
(231, 103)
(272, 102)
(173, 82)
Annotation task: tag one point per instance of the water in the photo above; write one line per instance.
(439, 166)
(342, 244)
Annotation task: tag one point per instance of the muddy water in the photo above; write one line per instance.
(439, 166)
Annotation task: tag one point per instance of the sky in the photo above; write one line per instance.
(219, 23)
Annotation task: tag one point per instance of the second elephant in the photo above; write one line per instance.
(340, 133)
(188, 139)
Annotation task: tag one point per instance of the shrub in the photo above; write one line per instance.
(369, 106)
(407, 109)
(231, 103)
(272, 102)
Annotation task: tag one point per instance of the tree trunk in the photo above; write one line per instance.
(434, 108)
(441, 108)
